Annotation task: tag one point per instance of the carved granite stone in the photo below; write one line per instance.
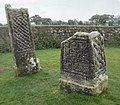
(83, 65)
(22, 40)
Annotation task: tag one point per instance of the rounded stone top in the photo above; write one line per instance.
(91, 34)
(9, 8)
(83, 36)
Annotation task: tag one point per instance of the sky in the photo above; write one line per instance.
(63, 9)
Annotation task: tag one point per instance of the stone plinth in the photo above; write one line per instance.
(83, 65)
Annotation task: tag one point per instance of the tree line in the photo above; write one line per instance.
(105, 20)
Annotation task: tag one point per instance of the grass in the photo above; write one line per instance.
(42, 88)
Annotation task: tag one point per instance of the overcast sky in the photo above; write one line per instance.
(63, 9)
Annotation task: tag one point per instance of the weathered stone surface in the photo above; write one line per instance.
(22, 40)
(83, 65)
(52, 36)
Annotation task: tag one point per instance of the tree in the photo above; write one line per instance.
(76, 21)
(1, 24)
(117, 20)
(36, 19)
(86, 23)
(73, 22)
(46, 21)
(70, 22)
(104, 19)
(95, 19)
(80, 23)
(107, 19)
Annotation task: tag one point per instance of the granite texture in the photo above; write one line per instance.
(22, 41)
(83, 64)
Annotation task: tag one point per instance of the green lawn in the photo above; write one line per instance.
(42, 88)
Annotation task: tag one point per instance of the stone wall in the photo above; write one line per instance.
(51, 36)
(5, 43)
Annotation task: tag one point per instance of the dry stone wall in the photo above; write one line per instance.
(52, 36)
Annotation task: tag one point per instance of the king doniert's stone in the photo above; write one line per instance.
(83, 65)
(22, 41)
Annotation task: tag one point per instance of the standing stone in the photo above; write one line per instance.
(83, 65)
(22, 40)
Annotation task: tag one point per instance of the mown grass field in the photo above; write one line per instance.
(42, 88)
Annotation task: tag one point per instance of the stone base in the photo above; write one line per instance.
(28, 69)
(20, 73)
(92, 87)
